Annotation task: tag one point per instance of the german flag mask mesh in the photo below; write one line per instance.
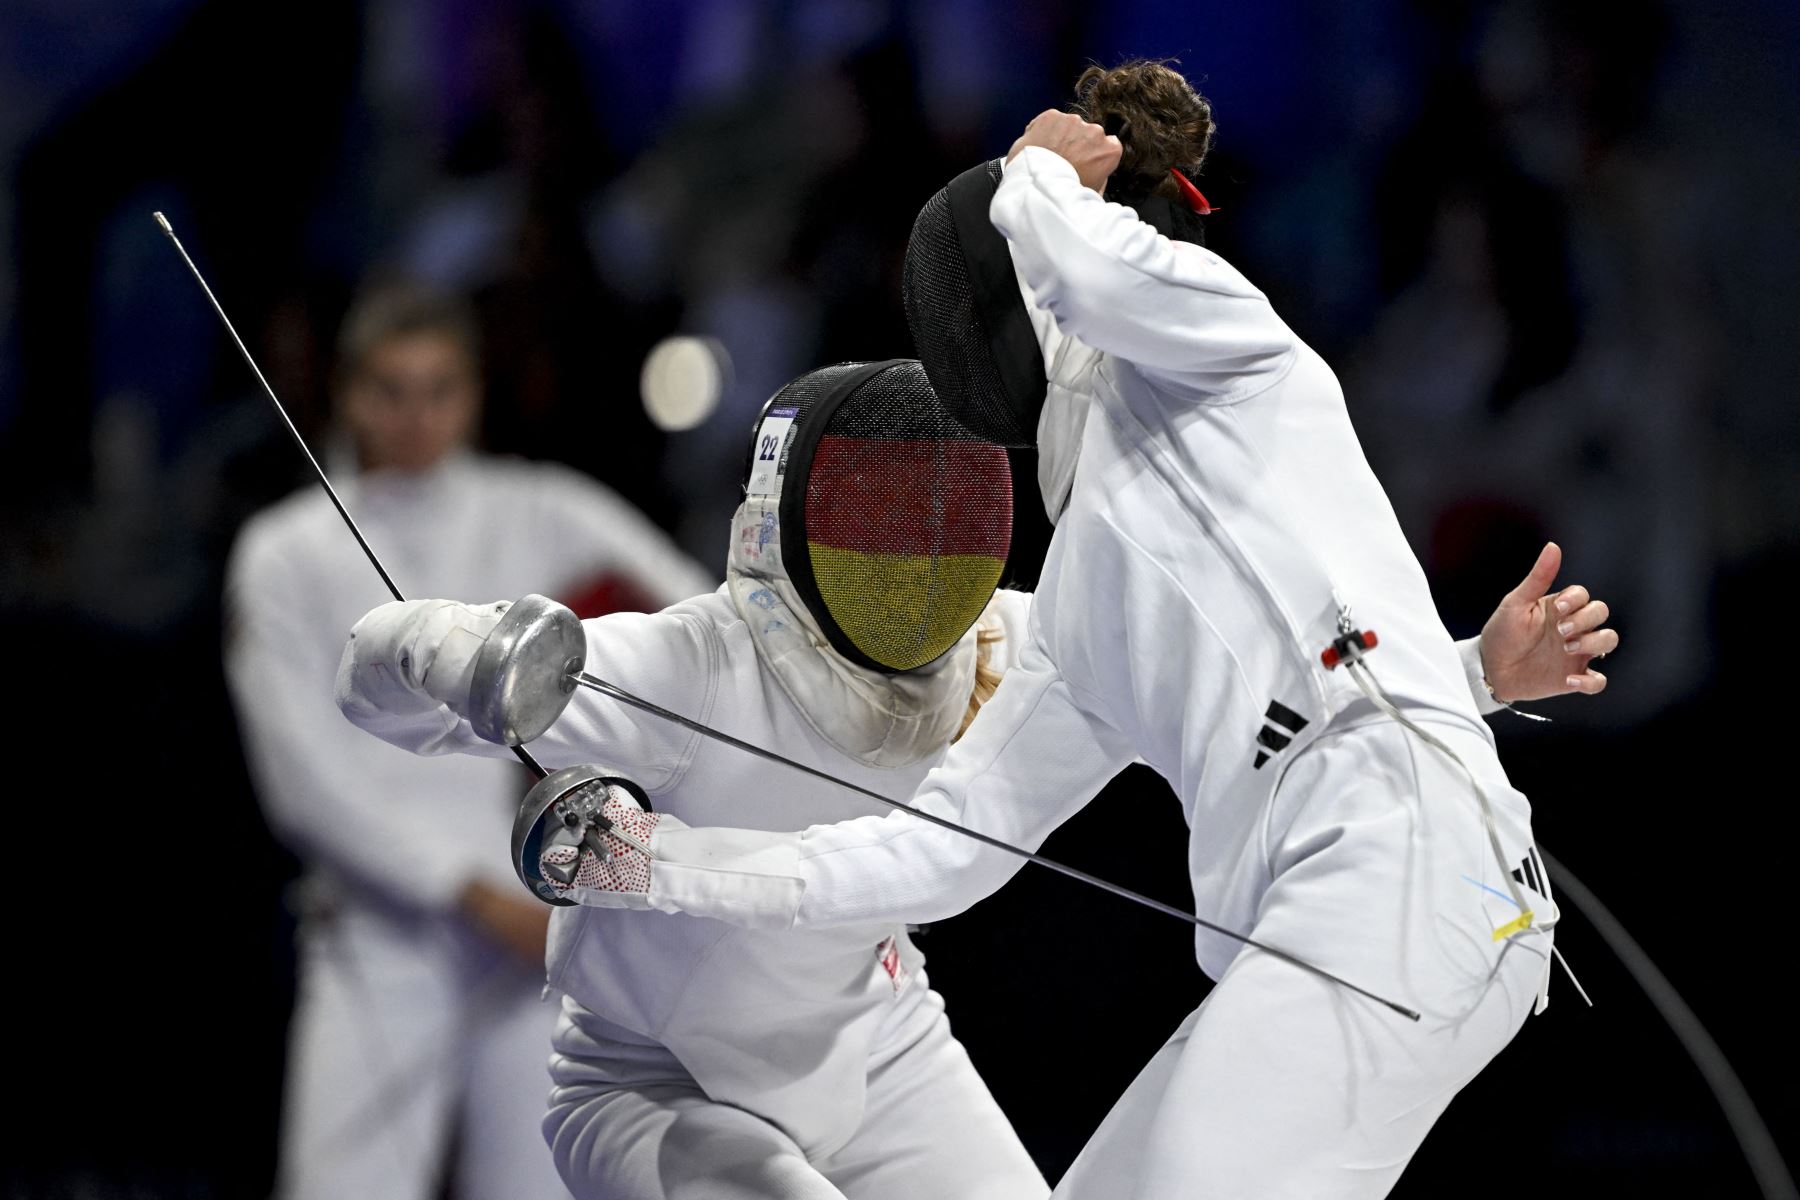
(894, 520)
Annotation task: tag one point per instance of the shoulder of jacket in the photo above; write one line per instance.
(692, 632)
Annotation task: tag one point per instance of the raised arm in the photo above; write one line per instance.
(1112, 281)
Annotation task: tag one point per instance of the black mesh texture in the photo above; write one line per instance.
(969, 323)
(895, 519)
(898, 402)
(809, 389)
(954, 295)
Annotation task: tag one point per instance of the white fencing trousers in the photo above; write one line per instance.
(627, 1123)
(409, 1036)
(1284, 1085)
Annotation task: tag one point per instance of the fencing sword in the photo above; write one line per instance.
(524, 755)
(597, 684)
(1757, 1145)
(537, 638)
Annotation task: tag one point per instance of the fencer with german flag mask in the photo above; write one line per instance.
(695, 1060)
(1222, 558)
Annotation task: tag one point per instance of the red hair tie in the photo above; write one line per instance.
(1190, 193)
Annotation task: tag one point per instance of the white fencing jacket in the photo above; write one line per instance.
(780, 1023)
(297, 582)
(1220, 509)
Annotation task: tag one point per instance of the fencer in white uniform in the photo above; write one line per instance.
(1221, 522)
(700, 1061)
(417, 1019)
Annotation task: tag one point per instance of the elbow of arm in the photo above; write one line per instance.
(917, 874)
(964, 873)
(293, 820)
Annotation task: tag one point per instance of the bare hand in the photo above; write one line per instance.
(1092, 151)
(514, 921)
(1538, 645)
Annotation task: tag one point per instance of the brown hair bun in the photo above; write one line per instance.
(1159, 119)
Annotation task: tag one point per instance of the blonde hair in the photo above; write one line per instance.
(987, 677)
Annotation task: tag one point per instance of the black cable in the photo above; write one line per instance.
(1746, 1123)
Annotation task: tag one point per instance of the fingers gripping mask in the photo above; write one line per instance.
(892, 520)
(967, 315)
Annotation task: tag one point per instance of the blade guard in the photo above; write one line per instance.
(524, 675)
(538, 808)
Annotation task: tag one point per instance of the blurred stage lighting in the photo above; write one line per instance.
(682, 381)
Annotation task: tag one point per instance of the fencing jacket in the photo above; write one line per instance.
(1220, 510)
(779, 1023)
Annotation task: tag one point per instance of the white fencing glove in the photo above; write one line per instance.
(410, 656)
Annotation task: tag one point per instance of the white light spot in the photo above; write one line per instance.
(682, 381)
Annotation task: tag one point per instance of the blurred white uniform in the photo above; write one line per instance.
(700, 1061)
(408, 1026)
(1219, 507)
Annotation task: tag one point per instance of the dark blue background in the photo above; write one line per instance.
(1549, 247)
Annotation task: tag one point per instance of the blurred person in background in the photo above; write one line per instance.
(418, 1023)
(1557, 314)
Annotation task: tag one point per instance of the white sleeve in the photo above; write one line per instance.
(667, 658)
(1032, 759)
(597, 531)
(1469, 650)
(314, 782)
(1110, 280)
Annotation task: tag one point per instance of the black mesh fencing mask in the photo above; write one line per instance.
(892, 520)
(968, 319)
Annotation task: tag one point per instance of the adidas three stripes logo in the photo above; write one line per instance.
(1274, 737)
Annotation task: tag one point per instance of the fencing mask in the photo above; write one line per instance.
(892, 520)
(966, 312)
